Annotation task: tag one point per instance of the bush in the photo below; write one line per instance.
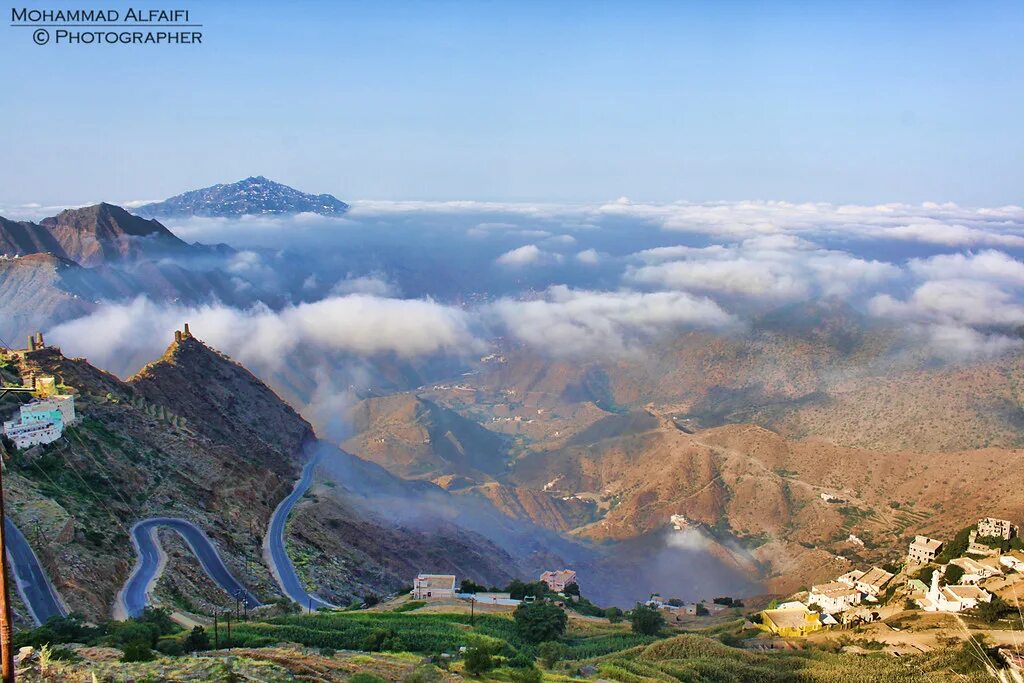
(128, 632)
(646, 620)
(528, 675)
(539, 622)
(381, 639)
(426, 673)
(477, 661)
(953, 574)
(613, 614)
(365, 678)
(160, 618)
(197, 639)
(172, 647)
(551, 653)
(137, 652)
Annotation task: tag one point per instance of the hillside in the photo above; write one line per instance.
(195, 435)
(39, 291)
(416, 438)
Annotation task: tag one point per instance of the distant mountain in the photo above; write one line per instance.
(90, 236)
(253, 196)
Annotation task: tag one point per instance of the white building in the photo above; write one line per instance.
(924, 550)
(974, 571)
(42, 421)
(851, 577)
(873, 582)
(558, 580)
(1013, 560)
(433, 587)
(1001, 528)
(952, 598)
(834, 597)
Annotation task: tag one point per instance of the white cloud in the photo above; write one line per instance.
(985, 265)
(357, 324)
(569, 322)
(374, 284)
(529, 255)
(589, 257)
(780, 267)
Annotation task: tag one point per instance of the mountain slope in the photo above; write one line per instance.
(415, 437)
(255, 195)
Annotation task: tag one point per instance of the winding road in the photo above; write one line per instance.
(276, 554)
(44, 602)
(34, 585)
(134, 596)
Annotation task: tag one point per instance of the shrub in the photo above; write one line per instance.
(551, 653)
(613, 614)
(197, 639)
(172, 647)
(478, 661)
(953, 574)
(363, 677)
(426, 673)
(528, 675)
(137, 652)
(539, 622)
(646, 620)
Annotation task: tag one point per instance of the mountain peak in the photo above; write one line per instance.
(232, 404)
(255, 195)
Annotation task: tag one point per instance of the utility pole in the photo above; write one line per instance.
(5, 607)
(229, 628)
(216, 633)
(472, 609)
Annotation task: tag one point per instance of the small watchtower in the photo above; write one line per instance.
(179, 335)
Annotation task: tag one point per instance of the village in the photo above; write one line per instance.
(51, 407)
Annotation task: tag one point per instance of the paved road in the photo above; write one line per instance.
(33, 585)
(134, 596)
(275, 552)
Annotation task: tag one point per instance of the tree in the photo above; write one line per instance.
(551, 652)
(992, 612)
(480, 654)
(137, 652)
(572, 589)
(471, 586)
(613, 614)
(197, 639)
(956, 547)
(953, 574)
(539, 622)
(646, 620)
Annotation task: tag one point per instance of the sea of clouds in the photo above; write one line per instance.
(422, 278)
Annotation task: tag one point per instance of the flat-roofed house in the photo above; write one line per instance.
(974, 571)
(433, 587)
(834, 597)
(923, 549)
(1013, 560)
(558, 580)
(791, 620)
(873, 582)
(952, 598)
(851, 577)
(1002, 528)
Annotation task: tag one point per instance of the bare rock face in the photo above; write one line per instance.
(222, 400)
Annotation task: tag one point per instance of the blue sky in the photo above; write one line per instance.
(559, 101)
